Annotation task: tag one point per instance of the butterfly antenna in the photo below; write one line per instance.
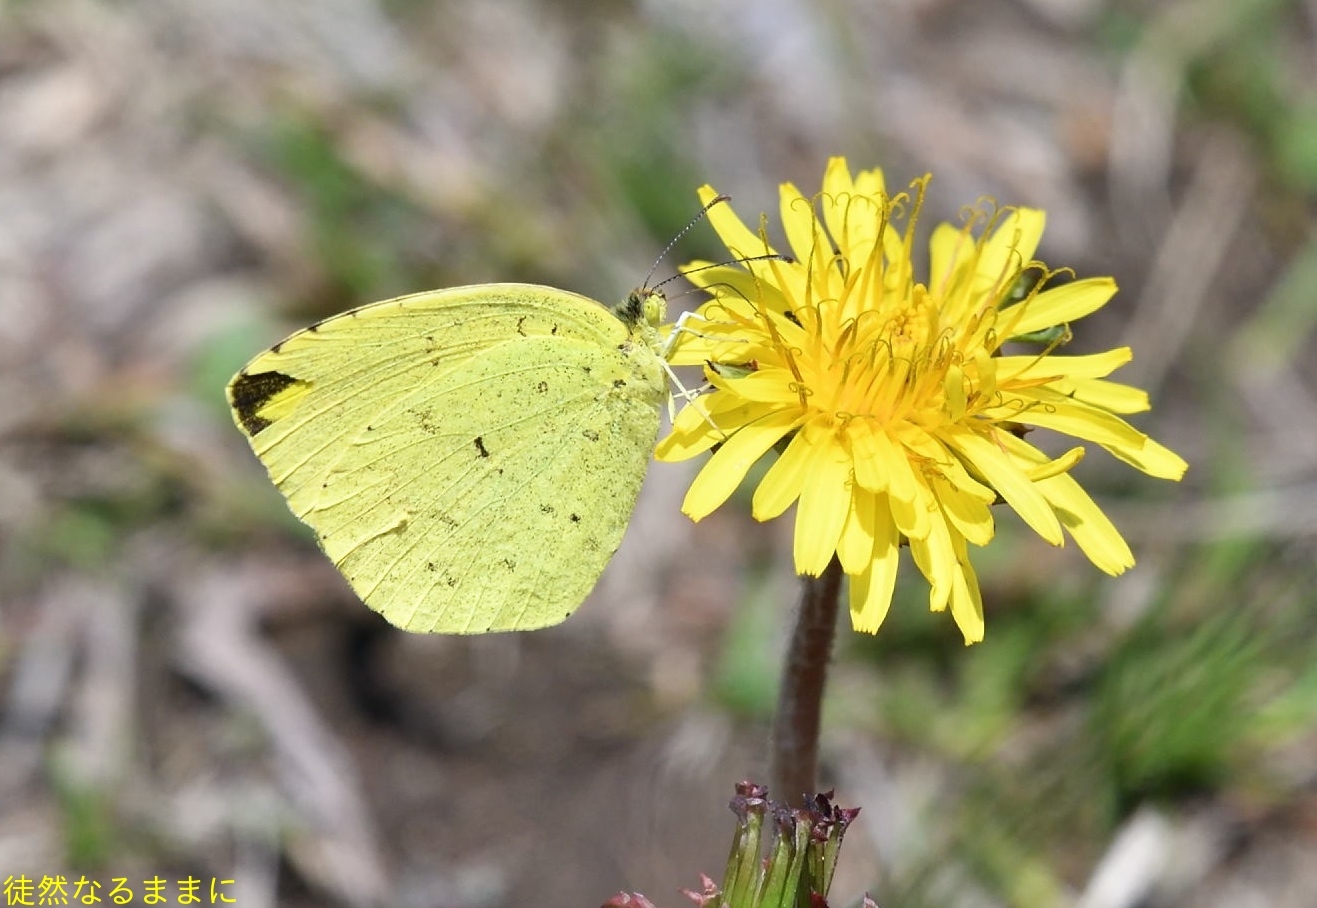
(766, 257)
(716, 200)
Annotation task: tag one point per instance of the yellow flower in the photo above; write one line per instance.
(902, 418)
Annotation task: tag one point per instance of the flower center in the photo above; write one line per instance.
(885, 363)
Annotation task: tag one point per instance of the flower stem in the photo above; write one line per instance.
(795, 740)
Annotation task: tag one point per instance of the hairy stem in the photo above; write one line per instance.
(795, 741)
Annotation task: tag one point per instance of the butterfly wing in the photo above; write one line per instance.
(469, 458)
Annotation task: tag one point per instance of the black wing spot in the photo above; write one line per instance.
(554, 330)
(548, 509)
(521, 322)
(542, 387)
(316, 325)
(508, 563)
(249, 393)
(576, 518)
(480, 446)
(591, 434)
(619, 383)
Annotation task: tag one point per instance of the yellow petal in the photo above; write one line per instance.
(868, 182)
(719, 276)
(1066, 303)
(971, 517)
(871, 590)
(989, 382)
(1010, 247)
(738, 321)
(1044, 407)
(949, 249)
(855, 213)
(825, 503)
(1109, 395)
(837, 180)
(1153, 458)
(1005, 252)
(767, 385)
(740, 240)
(953, 388)
(729, 326)
(943, 462)
(870, 470)
(695, 429)
(1091, 529)
(855, 546)
(785, 479)
(892, 460)
(937, 561)
(1049, 468)
(1008, 479)
(1094, 365)
(718, 479)
(805, 237)
(912, 517)
(1096, 536)
(966, 599)
(1082, 420)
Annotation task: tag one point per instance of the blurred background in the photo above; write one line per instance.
(188, 689)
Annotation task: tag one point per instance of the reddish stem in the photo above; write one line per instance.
(795, 740)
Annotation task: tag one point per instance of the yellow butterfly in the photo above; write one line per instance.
(469, 458)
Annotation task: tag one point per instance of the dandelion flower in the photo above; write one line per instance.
(898, 415)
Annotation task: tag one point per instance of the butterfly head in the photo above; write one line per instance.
(644, 307)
